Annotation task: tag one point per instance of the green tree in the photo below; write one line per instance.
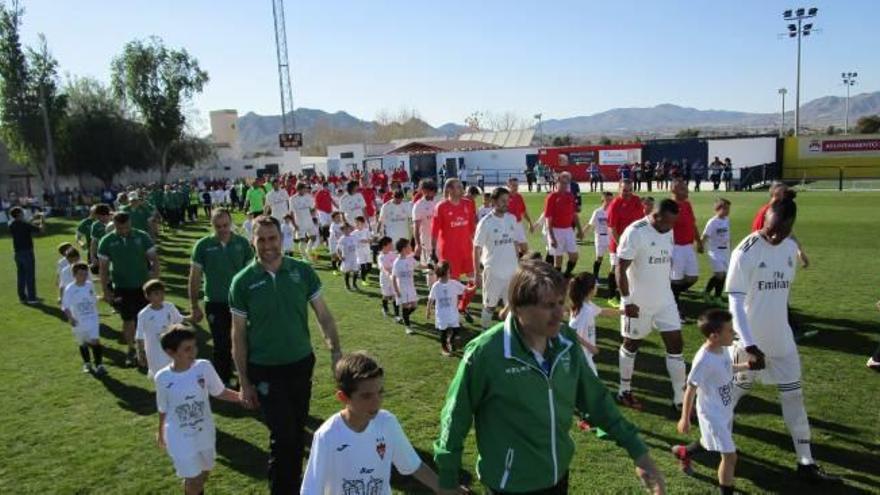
(604, 140)
(831, 130)
(30, 106)
(562, 140)
(98, 139)
(688, 133)
(869, 124)
(158, 81)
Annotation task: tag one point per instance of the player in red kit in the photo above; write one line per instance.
(625, 209)
(685, 269)
(563, 224)
(516, 205)
(452, 230)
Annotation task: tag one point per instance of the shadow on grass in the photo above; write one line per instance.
(241, 456)
(129, 397)
(51, 310)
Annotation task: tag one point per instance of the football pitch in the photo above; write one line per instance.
(65, 432)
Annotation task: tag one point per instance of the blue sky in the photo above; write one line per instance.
(561, 58)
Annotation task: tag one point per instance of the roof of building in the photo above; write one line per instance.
(417, 147)
(514, 138)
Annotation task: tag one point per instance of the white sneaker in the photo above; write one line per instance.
(408, 330)
(874, 365)
(397, 319)
(87, 368)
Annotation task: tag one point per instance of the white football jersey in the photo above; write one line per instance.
(151, 323)
(352, 206)
(423, 211)
(277, 200)
(764, 273)
(403, 270)
(82, 303)
(712, 374)
(396, 219)
(498, 236)
(301, 205)
(651, 254)
(345, 462)
(183, 398)
(445, 296)
(599, 221)
(717, 231)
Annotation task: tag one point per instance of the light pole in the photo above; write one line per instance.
(540, 129)
(797, 31)
(782, 92)
(849, 80)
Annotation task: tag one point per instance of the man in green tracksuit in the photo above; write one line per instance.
(521, 383)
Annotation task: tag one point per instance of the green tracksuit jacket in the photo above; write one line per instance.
(522, 414)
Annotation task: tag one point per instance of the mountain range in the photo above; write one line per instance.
(319, 128)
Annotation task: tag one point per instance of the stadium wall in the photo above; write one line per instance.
(823, 157)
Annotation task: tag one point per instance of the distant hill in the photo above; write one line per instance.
(260, 132)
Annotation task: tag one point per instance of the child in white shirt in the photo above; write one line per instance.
(386, 286)
(403, 278)
(65, 276)
(333, 236)
(716, 238)
(372, 437)
(152, 322)
(346, 249)
(287, 231)
(364, 235)
(711, 383)
(487, 207)
(80, 305)
(60, 265)
(248, 227)
(444, 296)
(186, 425)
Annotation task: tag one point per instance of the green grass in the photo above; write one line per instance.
(65, 432)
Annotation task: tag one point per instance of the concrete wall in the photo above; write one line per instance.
(745, 152)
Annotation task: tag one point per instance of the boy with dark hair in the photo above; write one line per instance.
(443, 298)
(80, 305)
(403, 280)
(711, 383)
(152, 321)
(352, 452)
(186, 426)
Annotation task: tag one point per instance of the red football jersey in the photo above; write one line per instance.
(621, 213)
(683, 230)
(369, 195)
(758, 222)
(560, 208)
(516, 207)
(324, 201)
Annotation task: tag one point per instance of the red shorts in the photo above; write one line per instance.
(460, 261)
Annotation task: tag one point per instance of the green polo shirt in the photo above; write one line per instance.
(219, 263)
(140, 216)
(84, 228)
(98, 230)
(276, 308)
(128, 257)
(156, 198)
(255, 197)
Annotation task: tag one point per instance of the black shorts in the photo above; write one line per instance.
(129, 302)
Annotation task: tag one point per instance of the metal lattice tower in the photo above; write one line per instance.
(288, 122)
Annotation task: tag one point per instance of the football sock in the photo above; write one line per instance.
(694, 448)
(486, 317)
(548, 258)
(569, 267)
(626, 362)
(725, 490)
(443, 334)
(406, 313)
(396, 308)
(676, 291)
(612, 285)
(710, 285)
(98, 353)
(333, 264)
(365, 269)
(792, 398)
(385, 305)
(676, 368)
(347, 278)
(719, 286)
(596, 265)
(84, 353)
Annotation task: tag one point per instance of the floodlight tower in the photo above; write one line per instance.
(782, 93)
(288, 122)
(849, 80)
(798, 30)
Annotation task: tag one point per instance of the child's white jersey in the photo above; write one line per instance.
(184, 399)
(151, 323)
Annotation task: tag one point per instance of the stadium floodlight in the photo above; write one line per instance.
(798, 31)
(849, 80)
(782, 93)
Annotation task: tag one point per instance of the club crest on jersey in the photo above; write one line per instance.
(380, 447)
(790, 262)
(653, 243)
(762, 265)
(201, 381)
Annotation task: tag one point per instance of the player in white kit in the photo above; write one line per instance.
(395, 217)
(386, 259)
(422, 215)
(352, 203)
(599, 224)
(302, 206)
(644, 261)
(498, 241)
(762, 270)
(276, 200)
(443, 298)
(80, 306)
(403, 278)
(716, 237)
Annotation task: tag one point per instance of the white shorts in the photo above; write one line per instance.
(349, 266)
(716, 435)
(443, 324)
(612, 257)
(86, 332)
(305, 229)
(425, 253)
(684, 262)
(494, 289)
(407, 295)
(386, 286)
(194, 465)
(323, 218)
(332, 244)
(779, 369)
(364, 255)
(565, 241)
(665, 319)
(720, 260)
(601, 244)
